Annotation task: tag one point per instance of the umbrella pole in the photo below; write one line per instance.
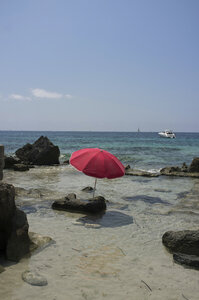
(94, 187)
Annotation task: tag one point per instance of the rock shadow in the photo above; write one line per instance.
(109, 219)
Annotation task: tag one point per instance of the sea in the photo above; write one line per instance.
(143, 150)
(118, 255)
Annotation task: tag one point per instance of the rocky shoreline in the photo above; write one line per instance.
(16, 241)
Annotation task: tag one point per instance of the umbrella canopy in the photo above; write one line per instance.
(97, 163)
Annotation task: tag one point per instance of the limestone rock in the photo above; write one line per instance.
(88, 189)
(34, 278)
(10, 161)
(134, 172)
(42, 152)
(1, 269)
(188, 260)
(38, 241)
(20, 167)
(18, 244)
(186, 241)
(194, 166)
(14, 239)
(91, 206)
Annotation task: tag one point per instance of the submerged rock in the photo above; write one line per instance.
(42, 152)
(70, 203)
(34, 278)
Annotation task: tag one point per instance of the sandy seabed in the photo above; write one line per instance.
(119, 256)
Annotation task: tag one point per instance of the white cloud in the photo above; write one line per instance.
(19, 97)
(41, 93)
(68, 96)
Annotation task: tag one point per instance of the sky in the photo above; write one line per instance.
(99, 65)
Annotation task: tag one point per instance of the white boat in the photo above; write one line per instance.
(167, 134)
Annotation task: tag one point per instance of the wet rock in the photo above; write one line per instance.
(88, 189)
(42, 152)
(194, 166)
(134, 172)
(7, 211)
(127, 167)
(10, 161)
(91, 206)
(66, 162)
(38, 242)
(34, 278)
(1, 161)
(18, 244)
(186, 241)
(20, 167)
(188, 260)
(1, 269)
(184, 167)
(184, 171)
(14, 239)
(170, 170)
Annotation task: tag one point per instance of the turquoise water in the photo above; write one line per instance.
(145, 150)
(110, 256)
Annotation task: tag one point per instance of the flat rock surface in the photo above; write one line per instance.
(134, 172)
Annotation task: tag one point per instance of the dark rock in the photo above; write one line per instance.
(194, 167)
(184, 167)
(66, 162)
(7, 211)
(134, 172)
(93, 206)
(20, 167)
(188, 260)
(42, 152)
(18, 243)
(1, 269)
(88, 189)
(1, 161)
(10, 161)
(14, 239)
(170, 170)
(186, 241)
(127, 167)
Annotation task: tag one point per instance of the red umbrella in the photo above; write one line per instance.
(97, 163)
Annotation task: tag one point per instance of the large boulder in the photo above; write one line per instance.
(185, 241)
(70, 203)
(42, 152)
(194, 166)
(14, 239)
